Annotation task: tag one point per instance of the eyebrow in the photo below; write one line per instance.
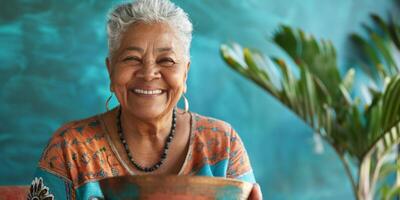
(133, 48)
(165, 49)
(141, 50)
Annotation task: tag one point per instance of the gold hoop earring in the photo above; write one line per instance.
(185, 100)
(108, 101)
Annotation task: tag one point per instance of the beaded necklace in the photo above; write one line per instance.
(163, 154)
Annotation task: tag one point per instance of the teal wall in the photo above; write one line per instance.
(52, 71)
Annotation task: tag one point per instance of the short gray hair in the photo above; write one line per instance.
(148, 11)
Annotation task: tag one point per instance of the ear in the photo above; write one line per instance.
(108, 64)
(185, 78)
(187, 71)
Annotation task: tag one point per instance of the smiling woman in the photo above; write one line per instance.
(148, 71)
(148, 63)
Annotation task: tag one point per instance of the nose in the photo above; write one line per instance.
(149, 71)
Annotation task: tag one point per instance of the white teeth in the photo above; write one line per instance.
(149, 92)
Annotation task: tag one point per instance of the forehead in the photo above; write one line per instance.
(145, 35)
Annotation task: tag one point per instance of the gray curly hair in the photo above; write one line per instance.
(148, 11)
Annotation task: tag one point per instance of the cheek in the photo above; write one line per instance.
(119, 80)
(176, 81)
(121, 77)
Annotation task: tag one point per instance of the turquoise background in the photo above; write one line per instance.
(52, 71)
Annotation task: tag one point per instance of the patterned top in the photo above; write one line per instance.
(80, 154)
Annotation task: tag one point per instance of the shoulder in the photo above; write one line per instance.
(210, 124)
(80, 151)
(212, 136)
(74, 128)
(212, 129)
(69, 137)
(213, 144)
(77, 129)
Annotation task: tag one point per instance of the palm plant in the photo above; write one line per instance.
(362, 132)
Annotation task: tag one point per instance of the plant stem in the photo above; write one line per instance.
(349, 174)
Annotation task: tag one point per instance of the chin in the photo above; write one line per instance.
(144, 113)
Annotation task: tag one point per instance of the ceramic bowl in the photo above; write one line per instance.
(152, 187)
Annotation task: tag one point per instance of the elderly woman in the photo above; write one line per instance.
(148, 63)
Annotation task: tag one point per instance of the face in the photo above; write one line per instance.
(148, 72)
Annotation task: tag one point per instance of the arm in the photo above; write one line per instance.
(51, 180)
(239, 165)
(50, 186)
(255, 193)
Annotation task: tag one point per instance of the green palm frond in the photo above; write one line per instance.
(388, 192)
(382, 115)
(323, 98)
(380, 49)
(320, 96)
(318, 57)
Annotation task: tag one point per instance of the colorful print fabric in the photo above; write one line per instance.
(79, 155)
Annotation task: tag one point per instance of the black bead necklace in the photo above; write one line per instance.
(163, 154)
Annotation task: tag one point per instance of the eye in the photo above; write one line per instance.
(133, 59)
(166, 62)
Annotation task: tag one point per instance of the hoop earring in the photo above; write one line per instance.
(108, 101)
(185, 100)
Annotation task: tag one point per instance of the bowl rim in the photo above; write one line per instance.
(191, 179)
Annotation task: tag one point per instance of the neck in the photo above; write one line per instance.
(146, 129)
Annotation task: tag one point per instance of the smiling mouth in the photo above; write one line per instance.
(147, 92)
